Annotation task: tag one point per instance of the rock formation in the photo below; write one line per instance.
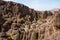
(19, 22)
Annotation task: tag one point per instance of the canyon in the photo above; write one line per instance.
(19, 22)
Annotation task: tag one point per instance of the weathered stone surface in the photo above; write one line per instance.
(19, 22)
(57, 20)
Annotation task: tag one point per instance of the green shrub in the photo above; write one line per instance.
(38, 18)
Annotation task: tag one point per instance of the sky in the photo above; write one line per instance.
(39, 4)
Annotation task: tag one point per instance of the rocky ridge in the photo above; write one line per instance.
(19, 22)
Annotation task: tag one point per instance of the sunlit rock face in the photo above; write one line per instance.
(57, 20)
(19, 22)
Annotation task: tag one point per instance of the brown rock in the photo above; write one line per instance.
(23, 23)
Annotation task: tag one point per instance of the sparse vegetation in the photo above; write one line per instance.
(38, 18)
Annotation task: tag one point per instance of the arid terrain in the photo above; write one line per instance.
(19, 22)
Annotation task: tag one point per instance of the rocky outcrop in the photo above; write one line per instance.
(19, 22)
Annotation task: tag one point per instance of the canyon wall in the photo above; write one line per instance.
(19, 22)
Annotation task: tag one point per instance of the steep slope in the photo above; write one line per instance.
(19, 22)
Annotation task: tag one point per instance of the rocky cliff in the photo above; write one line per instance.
(19, 22)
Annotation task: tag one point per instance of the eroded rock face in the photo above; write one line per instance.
(19, 22)
(57, 21)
